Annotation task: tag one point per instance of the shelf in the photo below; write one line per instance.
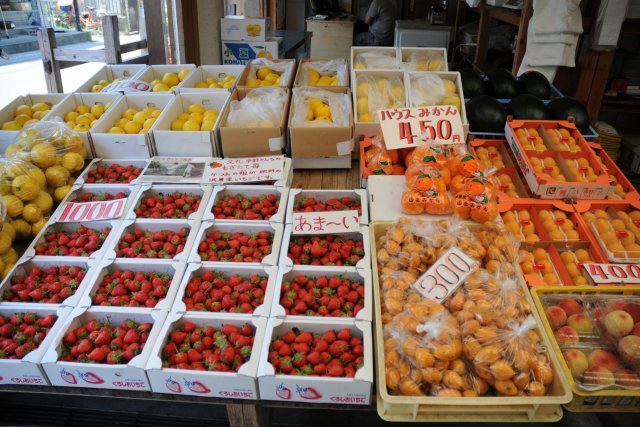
(620, 105)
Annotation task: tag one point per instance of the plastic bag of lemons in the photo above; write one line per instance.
(8, 255)
(38, 169)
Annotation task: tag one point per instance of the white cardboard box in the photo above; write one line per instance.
(78, 190)
(147, 190)
(111, 72)
(295, 388)
(168, 142)
(27, 371)
(235, 385)
(241, 52)
(324, 195)
(130, 376)
(247, 191)
(229, 269)
(406, 55)
(388, 58)
(246, 29)
(155, 72)
(218, 72)
(126, 146)
(96, 163)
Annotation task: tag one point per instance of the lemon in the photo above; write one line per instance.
(25, 187)
(38, 175)
(271, 77)
(171, 79)
(32, 213)
(11, 256)
(96, 88)
(362, 105)
(322, 111)
(12, 148)
(44, 201)
(363, 89)
(71, 116)
(148, 123)
(177, 124)
(155, 82)
(227, 85)
(183, 116)
(23, 109)
(201, 85)
(14, 205)
(23, 228)
(40, 106)
(435, 65)
(141, 116)
(61, 192)
(196, 117)
(210, 113)
(160, 87)
(324, 81)
(7, 227)
(313, 74)
(72, 162)
(81, 128)
(132, 127)
(71, 180)
(315, 103)
(22, 119)
(191, 126)
(116, 129)
(156, 113)
(195, 108)
(57, 176)
(263, 72)
(207, 125)
(11, 125)
(449, 86)
(183, 74)
(121, 122)
(39, 114)
(43, 155)
(37, 226)
(83, 109)
(97, 110)
(129, 113)
(253, 82)
(266, 83)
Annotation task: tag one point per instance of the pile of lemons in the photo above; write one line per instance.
(84, 117)
(265, 76)
(135, 121)
(8, 255)
(319, 111)
(197, 118)
(213, 83)
(315, 79)
(25, 115)
(101, 84)
(425, 64)
(391, 95)
(169, 81)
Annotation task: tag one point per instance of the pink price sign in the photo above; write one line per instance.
(128, 86)
(92, 211)
(325, 222)
(413, 127)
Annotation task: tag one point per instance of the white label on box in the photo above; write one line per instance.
(249, 169)
(92, 211)
(275, 144)
(343, 148)
(127, 86)
(613, 273)
(446, 275)
(412, 127)
(325, 222)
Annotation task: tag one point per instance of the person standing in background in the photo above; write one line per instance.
(380, 18)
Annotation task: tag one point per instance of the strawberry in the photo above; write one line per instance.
(304, 204)
(82, 242)
(53, 285)
(241, 207)
(235, 247)
(314, 304)
(88, 196)
(328, 250)
(15, 344)
(165, 244)
(171, 205)
(217, 291)
(112, 174)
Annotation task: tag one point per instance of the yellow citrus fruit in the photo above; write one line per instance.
(7, 270)
(32, 213)
(72, 162)
(96, 88)
(207, 125)
(43, 155)
(170, 79)
(366, 118)
(324, 81)
(132, 127)
(25, 187)
(322, 111)
(38, 175)
(81, 128)
(252, 82)
(57, 176)
(37, 226)
(40, 106)
(196, 117)
(272, 77)
(141, 116)
(177, 124)
(45, 201)
(7, 227)
(201, 85)
(263, 72)
(5, 242)
(362, 104)
(23, 109)
(11, 125)
(116, 129)
(14, 205)
(61, 192)
(191, 126)
(195, 108)
(11, 256)
(148, 123)
(161, 87)
(97, 110)
(23, 228)
(183, 74)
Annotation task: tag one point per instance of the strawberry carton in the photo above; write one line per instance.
(93, 203)
(26, 334)
(227, 288)
(46, 281)
(154, 241)
(212, 355)
(68, 240)
(238, 242)
(311, 291)
(130, 283)
(103, 347)
(311, 201)
(251, 203)
(333, 251)
(113, 172)
(170, 202)
(305, 360)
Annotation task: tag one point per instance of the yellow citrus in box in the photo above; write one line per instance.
(141, 116)
(115, 129)
(132, 127)
(202, 85)
(5, 242)
(253, 82)
(171, 79)
(11, 125)
(196, 117)
(263, 72)
(96, 88)
(83, 109)
(449, 86)
(451, 99)
(37, 226)
(322, 111)
(195, 108)
(81, 128)
(324, 81)
(177, 124)
(71, 116)
(40, 106)
(32, 213)
(43, 155)
(39, 115)
(148, 123)
(23, 109)
(191, 126)
(73, 162)
(207, 125)
(183, 74)
(362, 104)
(38, 175)
(14, 205)
(435, 65)
(366, 118)
(160, 87)
(183, 116)
(315, 103)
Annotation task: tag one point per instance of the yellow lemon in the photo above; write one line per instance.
(148, 123)
(264, 54)
(7, 270)
(160, 87)
(129, 113)
(73, 162)
(71, 116)
(7, 227)
(171, 79)
(177, 124)
(313, 74)
(11, 125)
(449, 86)
(32, 213)
(23, 109)
(38, 175)
(116, 129)
(57, 176)
(85, 119)
(96, 88)
(196, 117)
(11, 257)
(253, 82)
(14, 205)
(45, 201)
(195, 108)
(81, 128)
(191, 126)
(121, 122)
(207, 125)
(132, 127)
(263, 72)
(322, 111)
(324, 81)
(83, 109)
(5, 242)
(362, 105)
(272, 77)
(12, 148)
(39, 115)
(315, 103)
(183, 74)
(61, 192)
(23, 228)
(25, 187)
(40, 106)
(155, 113)
(141, 116)
(201, 85)
(37, 226)
(227, 85)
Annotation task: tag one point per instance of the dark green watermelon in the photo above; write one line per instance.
(501, 84)
(528, 107)
(565, 107)
(472, 82)
(486, 114)
(535, 83)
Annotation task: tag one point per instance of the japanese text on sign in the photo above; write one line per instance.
(444, 277)
(250, 169)
(412, 127)
(325, 222)
(92, 211)
(613, 273)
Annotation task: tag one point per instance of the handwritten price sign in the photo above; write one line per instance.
(446, 275)
(127, 86)
(412, 127)
(325, 222)
(250, 169)
(92, 211)
(614, 273)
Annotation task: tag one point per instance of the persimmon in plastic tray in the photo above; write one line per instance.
(616, 228)
(623, 189)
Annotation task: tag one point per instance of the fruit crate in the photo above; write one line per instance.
(111, 72)
(290, 274)
(232, 385)
(486, 408)
(624, 189)
(121, 376)
(155, 72)
(316, 389)
(360, 236)
(188, 293)
(96, 202)
(27, 370)
(605, 400)
(204, 72)
(149, 191)
(298, 196)
(423, 59)
(325, 67)
(98, 165)
(107, 268)
(284, 67)
(247, 191)
(380, 58)
(206, 229)
(26, 265)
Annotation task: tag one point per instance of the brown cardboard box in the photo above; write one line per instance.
(251, 69)
(298, 82)
(250, 141)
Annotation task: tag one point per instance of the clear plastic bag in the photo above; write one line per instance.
(424, 61)
(431, 89)
(375, 93)
(261, 107)
(376, 60)
(41, 142)
(426, 193)
(318, 107)
(335, 70)
(283, 69)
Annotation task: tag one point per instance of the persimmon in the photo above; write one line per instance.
(505, 387)
(410, 388)
(392, 378)
(411, 202)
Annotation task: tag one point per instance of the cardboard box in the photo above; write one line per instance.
(130, 376)
(27, 371)
(380, 58)
(155, 72)
(285, 67)
(247, 191)
(78, 191)
(6, 114)
(296, 194)
(235, 385)
(336, 66)
(226, 270)
(217, 72)
(239, 52)
(420, 59)
(167, 142)
(126, 146)
(203, 192)
(251, 141)
(105, 163)
(296, 388)
(74, 100)
(245, 29)
(111, 72)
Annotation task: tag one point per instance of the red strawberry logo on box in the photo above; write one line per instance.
(283, 392)
(90, 377)
(197, 387)
(173, 385)
(308, 393)
(68, 377)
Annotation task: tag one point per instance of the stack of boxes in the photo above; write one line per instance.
(244, 39)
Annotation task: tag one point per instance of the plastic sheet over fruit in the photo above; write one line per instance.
(284, 69)
(335, 69)
(57, 136)
(430, 89)
(375, 93)
(261, 107)
(376, 60)
(424, 61)
(318, 107)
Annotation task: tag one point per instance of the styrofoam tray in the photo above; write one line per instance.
(141, 163)
(204, 191)
(324, 195)
(78, 190)
(249, 191)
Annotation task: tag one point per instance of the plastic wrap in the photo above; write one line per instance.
(424, 61)
(325, 73)
(261, 107)
(382, 161)
(426, 193)
(282, 70)
(317, 107)
(375, 93)
(430, 89)
(375, 60)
